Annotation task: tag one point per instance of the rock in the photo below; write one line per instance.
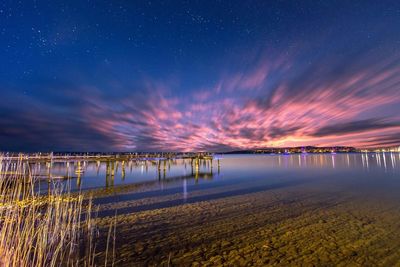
(225, 243)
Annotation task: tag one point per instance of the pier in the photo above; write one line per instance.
(52, 166)
(103, 157)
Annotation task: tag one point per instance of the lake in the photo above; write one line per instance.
(256, 210)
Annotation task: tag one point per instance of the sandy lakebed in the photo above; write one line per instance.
(283, 224)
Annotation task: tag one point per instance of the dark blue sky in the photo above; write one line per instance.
(198, 75)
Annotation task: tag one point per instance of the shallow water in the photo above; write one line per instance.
(254, 210)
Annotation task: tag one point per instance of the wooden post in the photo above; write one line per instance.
(197, 169)
(123, 170)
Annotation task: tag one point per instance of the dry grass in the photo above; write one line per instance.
(51, 229)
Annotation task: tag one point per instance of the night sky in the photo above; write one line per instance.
(198, 75)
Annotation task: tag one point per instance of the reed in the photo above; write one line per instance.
(52, 229)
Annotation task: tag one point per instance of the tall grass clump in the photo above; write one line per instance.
(54, 228)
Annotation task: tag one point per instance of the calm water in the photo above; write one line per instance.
(320, 208)
(324, 209)
(372, 174)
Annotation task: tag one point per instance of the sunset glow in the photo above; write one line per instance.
(326, 87)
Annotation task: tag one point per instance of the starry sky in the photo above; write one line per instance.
(198, 75)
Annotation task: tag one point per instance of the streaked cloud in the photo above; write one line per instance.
(270, 101)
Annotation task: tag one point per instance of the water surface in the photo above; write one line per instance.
(257, 210)
(368, 172)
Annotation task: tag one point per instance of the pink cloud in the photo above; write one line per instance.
(287, 114)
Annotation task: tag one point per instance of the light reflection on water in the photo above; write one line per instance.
(341, 199)
(226, 169)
